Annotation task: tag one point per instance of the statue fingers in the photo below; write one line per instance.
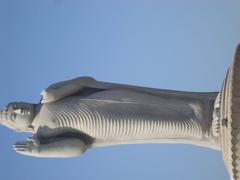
(26, 148)
(19, 147)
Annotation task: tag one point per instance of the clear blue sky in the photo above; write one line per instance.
(168, 44)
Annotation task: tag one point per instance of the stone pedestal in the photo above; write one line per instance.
(228, 105)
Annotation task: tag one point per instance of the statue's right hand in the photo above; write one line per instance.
(48, 96)
(65, 88)
(27, 148)
(53, 93)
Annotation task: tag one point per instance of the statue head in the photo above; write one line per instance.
(18, 116)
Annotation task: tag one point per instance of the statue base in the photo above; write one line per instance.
(229, 118)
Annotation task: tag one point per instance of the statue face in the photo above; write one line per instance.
(18, 115)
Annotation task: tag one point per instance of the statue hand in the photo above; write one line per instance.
(54, 93)
(65, 88)
(60, 148)
(27, 148)
(48, 96)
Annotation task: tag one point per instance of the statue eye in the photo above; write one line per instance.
(13, 116)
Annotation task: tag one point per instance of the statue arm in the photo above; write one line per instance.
(66, 88)
(61, 148)
(63, 89)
